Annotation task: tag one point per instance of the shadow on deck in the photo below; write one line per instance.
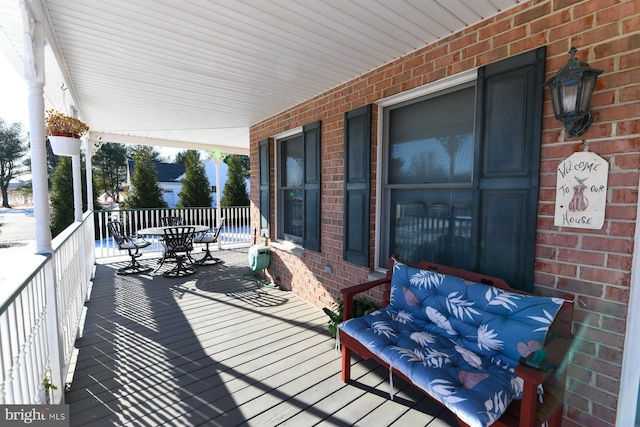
(213, 349)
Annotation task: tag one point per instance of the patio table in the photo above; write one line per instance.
(181, 268)
(159, 231)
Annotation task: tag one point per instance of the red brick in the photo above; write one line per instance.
(589, 7)
(581, 257)
(581, 287)
(629, 161)
(555, 239)
(570, 28)
(618, 46)
(619, 294)
(604, 276)
(531, 14)
(619, 262)
(614, 325)
(509, 36)
(617, 13)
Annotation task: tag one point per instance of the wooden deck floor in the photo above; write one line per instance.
(213, 349)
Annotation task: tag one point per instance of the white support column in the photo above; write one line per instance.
(218, 162)
(33, 26)
(88, 150)
(77, 187)
(32, 21)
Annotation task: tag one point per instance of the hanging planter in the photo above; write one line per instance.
(65, 145)
(64, 133)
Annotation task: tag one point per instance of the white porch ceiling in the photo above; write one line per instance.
(199, 73)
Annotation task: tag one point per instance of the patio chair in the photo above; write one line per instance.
(170, 221)
(178, 244)
(208, 238)
(133, 245)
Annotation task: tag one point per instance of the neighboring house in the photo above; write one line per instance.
(451, 154)
(170, 175)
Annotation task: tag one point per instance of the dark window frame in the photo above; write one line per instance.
(311, 184)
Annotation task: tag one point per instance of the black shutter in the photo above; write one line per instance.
(509, 124)
(357, 185)
(264, 187)
(311, 239)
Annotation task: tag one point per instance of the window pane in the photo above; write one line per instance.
(292, 221)
(432, 225)
(292, 152)
(431, 141)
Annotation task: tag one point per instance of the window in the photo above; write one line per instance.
(290, 190)
(298, 192)
(460, 171)
(430, 152)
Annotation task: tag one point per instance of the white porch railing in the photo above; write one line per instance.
(236, 228)
(40, 319)
(41, 315)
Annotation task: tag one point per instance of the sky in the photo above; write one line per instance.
(13, 95)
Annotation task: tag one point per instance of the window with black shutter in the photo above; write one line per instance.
(299, 187)
(461, 171)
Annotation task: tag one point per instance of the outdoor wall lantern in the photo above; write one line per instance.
(571, 91)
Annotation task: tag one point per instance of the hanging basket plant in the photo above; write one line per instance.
(64, 133)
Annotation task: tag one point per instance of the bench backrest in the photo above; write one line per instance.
(485, 318)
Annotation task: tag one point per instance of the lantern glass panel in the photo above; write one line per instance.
(569, 96)
(587, 89)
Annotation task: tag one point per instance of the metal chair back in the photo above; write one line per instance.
(208, 238)
(169, 221)
(133, 246)
(216, 234)
(116, 229)
(178, 239)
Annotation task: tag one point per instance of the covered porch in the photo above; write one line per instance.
(249, 77)
(216, 349)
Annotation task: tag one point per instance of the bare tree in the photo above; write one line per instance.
(110, 168)
(12, 148)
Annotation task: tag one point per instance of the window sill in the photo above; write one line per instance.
(288, 246)
(376, 275)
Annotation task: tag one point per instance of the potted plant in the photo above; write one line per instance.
(361, 307)
(64, 133)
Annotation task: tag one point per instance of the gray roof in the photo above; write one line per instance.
(167, 172)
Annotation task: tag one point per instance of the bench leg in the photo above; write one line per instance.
(346, 364)
(528, 405)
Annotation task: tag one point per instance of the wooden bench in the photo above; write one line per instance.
(484, 320)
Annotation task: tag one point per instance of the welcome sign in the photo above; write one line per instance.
(581, 191)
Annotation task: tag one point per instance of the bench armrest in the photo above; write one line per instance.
(534, 372)
(350, 292)
(549, 358)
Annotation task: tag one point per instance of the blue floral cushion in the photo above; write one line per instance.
(458, 341)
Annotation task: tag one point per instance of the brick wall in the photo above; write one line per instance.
(595, 265)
